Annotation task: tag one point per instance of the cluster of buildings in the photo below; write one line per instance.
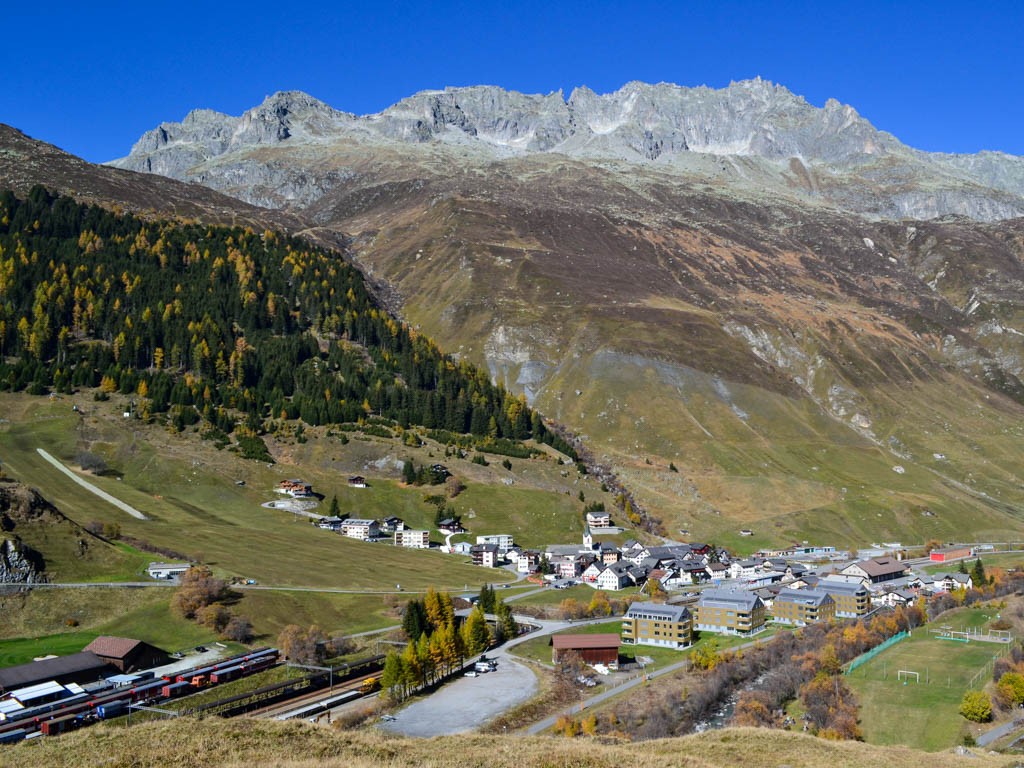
(796, 597)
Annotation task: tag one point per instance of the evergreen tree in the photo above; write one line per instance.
(414, 620)
(978, 575)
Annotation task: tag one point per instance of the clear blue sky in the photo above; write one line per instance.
(91, 77)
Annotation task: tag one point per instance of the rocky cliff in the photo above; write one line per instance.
(784, 145)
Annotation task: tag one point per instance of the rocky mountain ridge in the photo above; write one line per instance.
(760, 133)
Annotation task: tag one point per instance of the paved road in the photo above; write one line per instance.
(548, 722)
(92, 488)
(76, 585)
(994, 734)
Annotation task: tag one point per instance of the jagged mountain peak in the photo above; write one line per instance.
(778, 143)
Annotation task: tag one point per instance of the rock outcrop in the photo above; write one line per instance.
(786, 145)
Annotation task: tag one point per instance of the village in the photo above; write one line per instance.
(681, 589)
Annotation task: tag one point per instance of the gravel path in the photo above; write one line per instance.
(92, 488)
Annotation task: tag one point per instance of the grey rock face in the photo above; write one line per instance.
(867, 171)
(18, 566)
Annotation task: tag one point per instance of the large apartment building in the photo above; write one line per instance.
(852, 600)
(668, 626)
(800, 607)
(730, 612)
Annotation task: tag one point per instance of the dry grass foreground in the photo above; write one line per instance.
(248, 743)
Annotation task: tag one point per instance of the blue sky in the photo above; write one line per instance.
(91, 77)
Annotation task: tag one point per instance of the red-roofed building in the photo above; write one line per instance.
(126, 654)
(593, 649)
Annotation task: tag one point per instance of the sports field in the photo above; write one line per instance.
(897, 709)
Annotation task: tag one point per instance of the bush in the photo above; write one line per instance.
(976, 707)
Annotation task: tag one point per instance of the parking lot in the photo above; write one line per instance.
(466, 703)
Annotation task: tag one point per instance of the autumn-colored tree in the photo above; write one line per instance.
(976, 706)
(199, 588)
(599, 605)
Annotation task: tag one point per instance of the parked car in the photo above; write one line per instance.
(472, 673)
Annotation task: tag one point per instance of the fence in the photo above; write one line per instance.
(867, 656)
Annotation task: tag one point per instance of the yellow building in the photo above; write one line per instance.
(852, 600)
(667, 626)
(800, 607)
(730, 612)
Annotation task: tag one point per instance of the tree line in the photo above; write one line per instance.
(225, 323)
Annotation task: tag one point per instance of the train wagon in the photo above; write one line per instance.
(60, 724)
(148, 691)
(112, 709)
(219, 676)
(170, 690)
(10, 737)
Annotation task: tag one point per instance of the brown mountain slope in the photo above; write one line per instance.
(216, 743)
(25, 162)
(811, 374)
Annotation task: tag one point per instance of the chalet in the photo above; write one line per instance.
(358, 528)
(529, 559)
(485, 555)
(717, 570)
(800, 607)
(407, 537)
(669, 626)
(295, 488)
(744, 569)
(330, 523)
(694, 570)
(126, 654)
(599, 519)
(953, 581)
(877, 569)
(896, 597)
(593, 649)
(729, 611)
(451, 525)
(392, 524)
(950, 553)
(357, 481)
(166, 570)
(503, 541)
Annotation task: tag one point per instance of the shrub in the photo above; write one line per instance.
(976, 707)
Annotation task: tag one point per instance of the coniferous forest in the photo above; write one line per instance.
(230, 326)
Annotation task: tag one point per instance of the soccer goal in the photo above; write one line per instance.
(904, 675)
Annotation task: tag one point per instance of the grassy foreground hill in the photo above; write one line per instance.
(218, 744)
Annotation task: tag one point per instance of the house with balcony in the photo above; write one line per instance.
(666, 626)
(800, 607)
(852, 599)
(729, 612)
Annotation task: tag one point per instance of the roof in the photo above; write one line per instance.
(804, 596)
(113, 647)
(729, 598)
(49, 669)
(881, 566)
(658, 610)
(359, 521)
(834, 587)
(586, 641)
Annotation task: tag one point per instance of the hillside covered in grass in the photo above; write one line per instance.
(222, 325)
(215, 743)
